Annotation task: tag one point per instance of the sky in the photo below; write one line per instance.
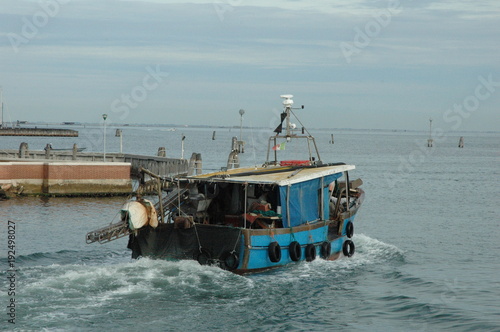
(352, 63)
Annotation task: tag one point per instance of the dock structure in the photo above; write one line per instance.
(159, 165)
(72, 172)
(38, 132)
(65, 178)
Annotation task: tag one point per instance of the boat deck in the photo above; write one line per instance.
(279, 175)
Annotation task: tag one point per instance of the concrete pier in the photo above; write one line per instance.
(159, 165)
(81, 173)
(66, 178)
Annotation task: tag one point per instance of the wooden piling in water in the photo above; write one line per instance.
(461, 142)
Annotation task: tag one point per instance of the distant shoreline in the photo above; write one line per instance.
(47, 125)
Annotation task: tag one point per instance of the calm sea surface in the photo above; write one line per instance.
(427, 247)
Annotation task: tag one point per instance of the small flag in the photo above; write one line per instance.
(279, 146)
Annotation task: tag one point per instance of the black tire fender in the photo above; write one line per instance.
(348, 248)
(203, 256)
(310, 252)
(295, 251)
(274, 251)
(229, 260)
(326, 249)
(349, 229)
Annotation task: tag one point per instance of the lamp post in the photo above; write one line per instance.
(242, 111)
(104, 116)
(240, 143)
(182, 145)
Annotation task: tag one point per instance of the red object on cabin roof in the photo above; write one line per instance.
(295, 163)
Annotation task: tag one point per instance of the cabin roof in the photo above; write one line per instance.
(281, 176)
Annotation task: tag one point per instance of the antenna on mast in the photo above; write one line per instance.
(287, 102)
(289, 135)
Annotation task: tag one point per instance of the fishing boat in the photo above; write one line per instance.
(248, 219)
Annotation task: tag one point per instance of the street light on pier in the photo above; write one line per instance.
(182, 145)
(104, 116)
(241, 144)
(242, 111)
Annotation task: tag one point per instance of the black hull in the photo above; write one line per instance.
(203, 243)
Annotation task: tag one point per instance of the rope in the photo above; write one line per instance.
(197, 237)
(326, 230)
(237, 240)
(309, 232)
(292, 235)
(271, 233)
(179, 195)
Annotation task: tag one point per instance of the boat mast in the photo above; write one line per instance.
(289, 134)
(288, 102)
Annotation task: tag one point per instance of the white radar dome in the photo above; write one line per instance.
(288, 100)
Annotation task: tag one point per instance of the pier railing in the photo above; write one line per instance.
(162, 166)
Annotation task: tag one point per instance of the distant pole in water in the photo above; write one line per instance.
(461, 142)
(104, 116)
(213, 136)
(118, 133)
(430, 140)
(331, 141)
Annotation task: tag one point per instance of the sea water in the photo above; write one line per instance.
(426, 240)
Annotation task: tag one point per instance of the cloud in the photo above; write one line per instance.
(430, 52)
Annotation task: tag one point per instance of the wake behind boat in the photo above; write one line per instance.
(247, 219)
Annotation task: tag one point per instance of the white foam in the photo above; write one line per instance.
(101, 283)
(95, 285)
(368, 251)
(373, 249)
